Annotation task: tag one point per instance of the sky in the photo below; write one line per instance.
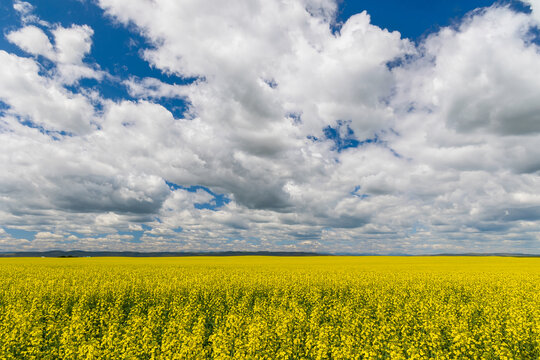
(380, 127)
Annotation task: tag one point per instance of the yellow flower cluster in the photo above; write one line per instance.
(270, 308)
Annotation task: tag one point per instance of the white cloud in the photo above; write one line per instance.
(71, 45)
(43, 101)
(477, 79)
(23, 7)
(25, 10)
(48, 236)
(154, 88)
(32, 40)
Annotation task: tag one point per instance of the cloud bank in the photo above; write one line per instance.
(296, 133)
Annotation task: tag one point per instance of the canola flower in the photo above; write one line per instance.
(270, 308)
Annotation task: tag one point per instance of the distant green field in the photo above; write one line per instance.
(270, 308)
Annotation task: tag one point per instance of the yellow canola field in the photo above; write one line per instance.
(270, 308)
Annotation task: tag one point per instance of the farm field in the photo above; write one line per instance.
(270, 308)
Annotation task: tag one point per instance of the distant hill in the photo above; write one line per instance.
(489, 254)
(446, 254)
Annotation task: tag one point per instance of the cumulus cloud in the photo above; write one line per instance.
(476, 78)
(23, 7)
(154, 88)
(32, 40)
(71, 45)
(40, 100)
(25, 11)
(297, 134)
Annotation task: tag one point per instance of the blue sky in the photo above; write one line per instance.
(368, 127)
